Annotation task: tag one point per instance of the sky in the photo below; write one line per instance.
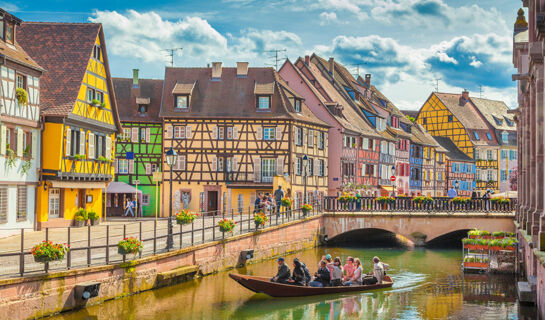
(408, 46)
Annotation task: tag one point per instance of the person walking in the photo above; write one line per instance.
(474, 197)
(486, 198)
(257, 203)
(128, 207)
(278, 195)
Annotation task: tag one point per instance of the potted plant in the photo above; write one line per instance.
(260, 219)
(306, 208)
(47, 251)
(226, 225)
(286, 202)
(95, 102)
(102, 105)
(469, 243)
(79, 156)
(129, 245)
(80, 217)
(93, 217)
(185, 217)
(10, 157)
(475, 262)
(22, 96)
(498, 234)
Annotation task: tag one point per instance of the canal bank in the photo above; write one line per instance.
(43, 295)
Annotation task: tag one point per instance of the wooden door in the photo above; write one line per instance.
(212, 201)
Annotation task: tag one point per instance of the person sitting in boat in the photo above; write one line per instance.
(348, 269)
(298, 277)
(283, 274)
(357, 277)
(379, 269)
(322, 277)
(337, 273)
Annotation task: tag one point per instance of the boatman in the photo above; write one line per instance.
(283, 274)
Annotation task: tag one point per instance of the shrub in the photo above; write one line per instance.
(81, 215)
(92, 215)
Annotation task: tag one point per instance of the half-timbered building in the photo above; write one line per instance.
(430, 151)
(460, 168)
(239, 131)
(139, 146)
(19, 129)
(80, 117)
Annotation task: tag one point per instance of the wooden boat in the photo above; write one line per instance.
(273, 289)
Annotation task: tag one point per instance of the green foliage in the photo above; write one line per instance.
(130, 245)
(95, 102)
(49, 251)
(79, 156)
(410, 118)
(25, 166)
(10, 157)
(385, 199)
(22, 96)
(92, 215)
(81, 215)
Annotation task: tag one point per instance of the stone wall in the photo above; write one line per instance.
(42, 295)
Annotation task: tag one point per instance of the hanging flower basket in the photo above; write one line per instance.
(306, 208)
(129, 245)
(286, 202)
(226, 225)
(47, 251)
(260, 219)
(22, 96)
(185, 217)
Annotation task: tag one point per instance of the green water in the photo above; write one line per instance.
(428, 284)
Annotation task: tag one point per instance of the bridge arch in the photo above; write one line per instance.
(366, 237)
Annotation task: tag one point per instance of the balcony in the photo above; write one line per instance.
(85, 169)
(486, 164)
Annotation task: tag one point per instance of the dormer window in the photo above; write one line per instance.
(263, 102)
(142, 109)
(182, 102)
(505, 137)
(489, 136)
(476, 135)
(297, 105)
(1, 28)
(9, 32)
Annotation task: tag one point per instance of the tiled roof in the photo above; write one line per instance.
(230, 96)
(496, 113)
(17, 54)
(126, 98)
(64, 49)
(453, 153)
(421, 136)
(466, 114)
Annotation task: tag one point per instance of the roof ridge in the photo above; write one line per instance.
(62, 23)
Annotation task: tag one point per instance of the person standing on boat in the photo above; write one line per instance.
(379, 269)
(358, 272)
(322, 277)
(337, 273)
(348, 269)
(298, 276)
(283, 274)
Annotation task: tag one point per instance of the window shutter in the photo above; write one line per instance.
(134, 135)
(116, 164)
(34, 145)
(325, 140)
(235, 132)
(257, 169)
(109, 147)
(148, 134)
(325, 168)
(148, 168)
(20, 142)
(304, 135)
(92, 146)
(259, 133)
(68, 142)
(495, 175)
(214, 163)
(3, 140)
(131, 166)
(363, 166)
(278, 132)
(234, 164)
(188, 132)
(82, 138)
(495, 154)
(168, 131)
(280, 166)
(215, 133)
(181, 162)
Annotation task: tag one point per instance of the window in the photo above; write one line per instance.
(298, 136)
(21, 81)
(503, 175)
(142, 109)
(75, 143)
(220, 164)
(297, 105)
(240, 203)
(476, 135)
(505, 137)
(424, 121)
(221, 133)
(145, 199)
(123, 166)
(3, 204)
(99, 96)
(489, 175)
(263, 102)
(268, 133)
(310, 167)
(310, 138)
(96, 52)
(512, 155)
(126, 134)
(321, 168)
(371, 145)
(229, 133)
(100, 146)
(179, 132)
(143, 134)
(321, 140)
(267, 171)
(450, 118)
(2, 29)
(489, 155)
(298, 166)
(9, 33)
(488, 136)
(54, 202)
(181, 102)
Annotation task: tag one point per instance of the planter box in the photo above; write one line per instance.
(123, 252)
(481, 265)
(95, 222)
(44, 259)
(182, 222)
(79, 223)
(475, 247)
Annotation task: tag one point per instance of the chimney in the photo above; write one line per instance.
(242, 69)
(332, 67)
(135, 78)
(368, 79)
(464, 98)
(307, 60)
(216, 70)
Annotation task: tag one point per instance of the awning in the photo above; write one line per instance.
(183, 88)
(142, 100)
(78, 184)
(264, 88)
(121, 187)
(388, 188)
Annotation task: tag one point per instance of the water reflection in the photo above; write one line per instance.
(428, 284)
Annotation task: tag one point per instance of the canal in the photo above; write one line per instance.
(428, 285)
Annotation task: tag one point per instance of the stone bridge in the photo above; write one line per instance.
(417, 228)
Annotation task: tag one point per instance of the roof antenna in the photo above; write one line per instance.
(275, 56)
(436, 84)
(480, 91)
(357, 65)
(170, 53)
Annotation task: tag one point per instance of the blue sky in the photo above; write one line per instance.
(404, 44)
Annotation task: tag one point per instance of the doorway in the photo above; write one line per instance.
(212, 201)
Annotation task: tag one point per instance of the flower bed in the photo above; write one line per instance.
(226, 225)
(129, 245)
(47, 251)
(185, 217)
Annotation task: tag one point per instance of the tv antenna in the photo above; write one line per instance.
(275, 56)
(436, 84)
(170, 53)
(358, 65)
(480, 91)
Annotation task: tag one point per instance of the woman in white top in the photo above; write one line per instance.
(336, 273)
(358, 273)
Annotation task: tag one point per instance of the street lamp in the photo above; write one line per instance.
(171, 156)
(394, 183)
(305, 174)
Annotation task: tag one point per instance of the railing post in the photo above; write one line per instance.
(154, 236)
(140, 237)
(192, 232)
(202, 227)
(46, 265)
(69, 254)
(22, 256)
(181, 235)
(249, 210)
(124, 236)
(88, 246)
(213, 229)
(107, 244)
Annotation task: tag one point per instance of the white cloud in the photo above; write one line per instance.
(327, 17)
(475, 63)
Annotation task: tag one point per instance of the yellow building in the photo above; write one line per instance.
(455, 116)
(79, 118)
(238, 132)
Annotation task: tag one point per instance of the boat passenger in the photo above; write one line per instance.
(307, 273)
(379, 269)
(322, 277)
(348, 269)
(357, 277)
(337, 273)
(283, 274)
(298, 275)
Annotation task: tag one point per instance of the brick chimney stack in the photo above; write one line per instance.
(135, 78)
(332, 67)
(368, 79)
(307, 60)
(464, 98)
(216, 70)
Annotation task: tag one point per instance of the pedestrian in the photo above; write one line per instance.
(452, 193)
(486, 198)
(257, 203)
(128, 207)
(278, 195)
(474, 197)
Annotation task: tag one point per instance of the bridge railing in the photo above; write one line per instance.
(406, 204)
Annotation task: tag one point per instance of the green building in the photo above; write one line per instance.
(139, 147)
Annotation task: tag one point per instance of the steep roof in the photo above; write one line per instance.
(495, 113)
(231, 96)
(453, 153)
(126, 97)
(466, 114)
(15, 52)
(421, 136)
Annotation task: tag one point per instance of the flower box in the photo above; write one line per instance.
(43, 259)
(185, 217)
(129, 245)
(482, 265)
(47, 251)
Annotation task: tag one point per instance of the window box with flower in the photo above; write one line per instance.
(186, 217)
(129, 245)
(226, 225)
(48, 251)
